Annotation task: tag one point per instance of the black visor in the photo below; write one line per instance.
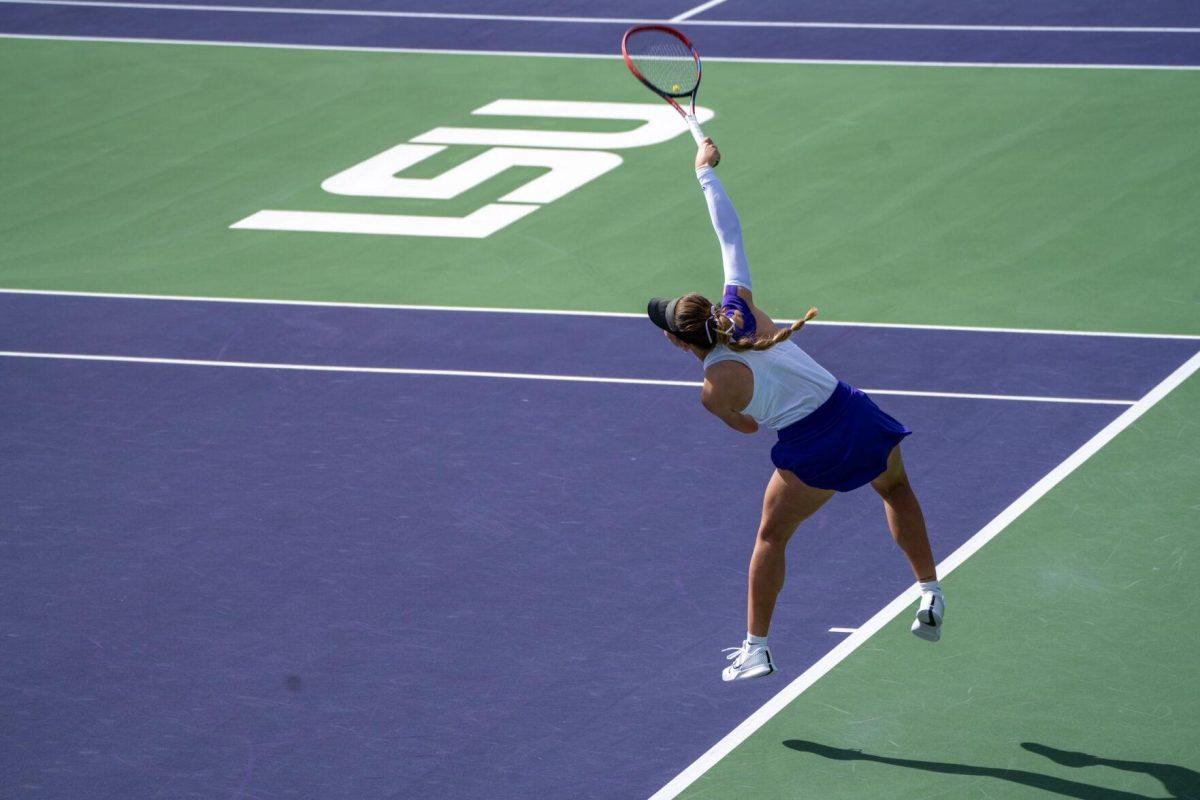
(662, 313)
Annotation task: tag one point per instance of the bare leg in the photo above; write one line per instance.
(904, 517)
(788, 502)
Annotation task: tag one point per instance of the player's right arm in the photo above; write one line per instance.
(728, 228)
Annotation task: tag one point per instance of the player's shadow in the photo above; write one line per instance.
(1180, 782)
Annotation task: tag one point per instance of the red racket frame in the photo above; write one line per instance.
(670, 98)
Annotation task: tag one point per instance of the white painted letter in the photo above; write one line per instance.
(375, 177)
(478, 224)
(660, 123)
(573, 159)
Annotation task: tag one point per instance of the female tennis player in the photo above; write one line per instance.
(832, 437)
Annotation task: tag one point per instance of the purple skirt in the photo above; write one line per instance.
(842, 445)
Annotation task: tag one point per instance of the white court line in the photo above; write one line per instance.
(1028, 398)
(571, 313)
(842, 630)
(523, 376)
(700, 9)
(855, 62)
(685, 16)
(455, 373)
(905, 598)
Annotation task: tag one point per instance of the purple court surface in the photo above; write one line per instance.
(262, 581)
(1160, 33)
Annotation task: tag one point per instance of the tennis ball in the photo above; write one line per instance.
(675, 87)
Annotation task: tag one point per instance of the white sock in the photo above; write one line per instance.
(759, 641)
(930, 586)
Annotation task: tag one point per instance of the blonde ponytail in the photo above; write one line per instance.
(723, 331)
(704, 324)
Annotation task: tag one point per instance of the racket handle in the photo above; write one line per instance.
(694, 127)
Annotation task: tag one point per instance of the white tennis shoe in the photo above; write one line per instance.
(749, 661)
(928, 624)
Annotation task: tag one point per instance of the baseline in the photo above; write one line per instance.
(573, 313)
(891, 48)
(573, 20)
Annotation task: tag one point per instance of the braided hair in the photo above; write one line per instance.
(706, 325)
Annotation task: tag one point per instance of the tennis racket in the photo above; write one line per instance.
(666, 62)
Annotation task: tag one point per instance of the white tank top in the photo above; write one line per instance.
(788, 384)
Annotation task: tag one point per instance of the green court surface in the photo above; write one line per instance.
(1028, 198)
(1075, 631)
(1001, 197)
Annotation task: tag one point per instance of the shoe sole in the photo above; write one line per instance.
(922, 630)
(750, 674)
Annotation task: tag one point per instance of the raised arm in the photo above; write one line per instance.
(729, 234)
(724, 217)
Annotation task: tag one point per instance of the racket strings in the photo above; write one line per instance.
(664, 61)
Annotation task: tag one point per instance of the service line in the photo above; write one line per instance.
(521, 376)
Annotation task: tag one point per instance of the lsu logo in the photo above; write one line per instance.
(571, 158)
